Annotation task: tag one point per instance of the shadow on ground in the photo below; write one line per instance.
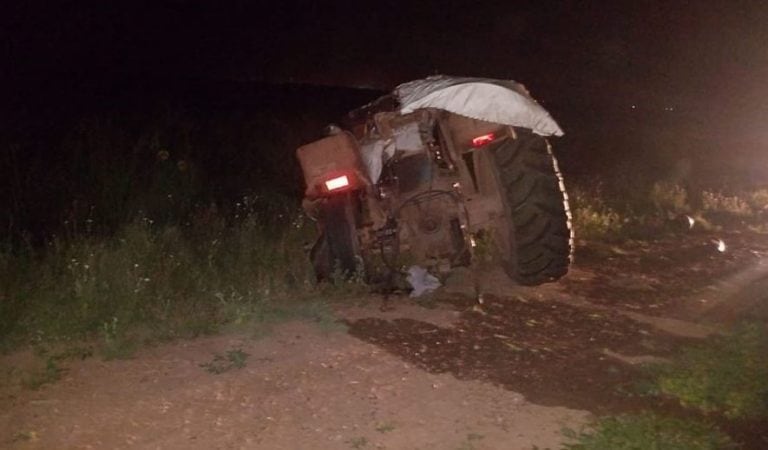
(573, 345)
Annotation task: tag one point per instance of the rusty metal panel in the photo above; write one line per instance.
(328, 157)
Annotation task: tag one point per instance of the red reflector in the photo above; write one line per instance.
(482, 140)
(337, 183)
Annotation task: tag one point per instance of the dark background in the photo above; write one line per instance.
(92, 91)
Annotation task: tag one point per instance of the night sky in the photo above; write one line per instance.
(695, 54)
(631, 82)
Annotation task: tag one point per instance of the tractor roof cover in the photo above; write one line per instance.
(499, 101)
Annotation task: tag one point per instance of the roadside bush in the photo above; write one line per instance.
(758, 200)
(592, 218)
(669, 199)
(613, 213)
(718, 202)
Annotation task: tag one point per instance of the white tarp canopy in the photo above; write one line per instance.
(499, 101)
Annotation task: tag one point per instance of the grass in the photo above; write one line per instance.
(647, 431)
(726, 374)
(153, 282)
(722, 376)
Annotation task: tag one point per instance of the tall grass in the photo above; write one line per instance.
(604, 212)
(115, 223)
(168, 280)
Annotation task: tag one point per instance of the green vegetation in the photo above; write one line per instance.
(647, 431)
(592, 218)
(49, 374)
(358, 442)
(669, 199)
(600, 213)
(158, 282)
(726, 374)
(126, 227)
(47, 368)
(470, 442)
(385, 427)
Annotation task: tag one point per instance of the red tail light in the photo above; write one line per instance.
(483, 140)
(337, 183)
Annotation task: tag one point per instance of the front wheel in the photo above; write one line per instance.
(541, 239)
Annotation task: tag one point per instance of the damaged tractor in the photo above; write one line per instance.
(431, 174)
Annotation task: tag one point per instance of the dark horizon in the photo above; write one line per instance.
(632, 85)
(677, 54)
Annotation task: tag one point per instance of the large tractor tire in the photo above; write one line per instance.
(335, 252)
(541, 239)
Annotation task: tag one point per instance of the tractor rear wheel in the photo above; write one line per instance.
(541, 238)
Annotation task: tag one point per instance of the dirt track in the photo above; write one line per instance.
(507, 373)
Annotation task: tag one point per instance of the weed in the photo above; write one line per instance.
(75, 352)
(592, 218)
(344, 285)
(116, 344)
(25, 436)
(313, 311)
(50, 374)
(470, 441)
(758, 199)
(385, 427)
(358, 442)
(669, 199)
(728, 374)
(647, 431)
(233, 359)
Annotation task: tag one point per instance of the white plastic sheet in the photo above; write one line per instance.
(421, 280)
(373, 154)
(500, 101)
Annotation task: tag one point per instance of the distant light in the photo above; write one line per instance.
(634, 106)
(337, 183)
(482, 140)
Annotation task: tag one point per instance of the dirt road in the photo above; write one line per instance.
(506, 371)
